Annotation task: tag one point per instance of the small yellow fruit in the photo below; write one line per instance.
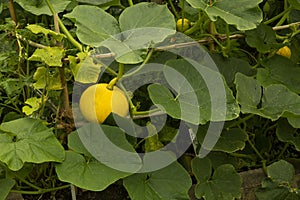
(182, 25)
(284, 51)
(97, 102)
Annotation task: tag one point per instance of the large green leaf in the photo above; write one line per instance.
(281, 171)
(94, 25)
(171, 182)
(230, 140)
(87, 173)
(108, 144)
(41, 7)
(245, 14)
(249, 93)
(286, 133)
(263, 38)
(228, 67)
(201, 94)
(277, 185)
(276, 101)
(5, 186)
(284, 71)
(28, 140)
(202, 169)
(225, 184)
(147, 15)
(142, 25)
(294, 121)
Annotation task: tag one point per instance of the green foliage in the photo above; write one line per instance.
(28, 140)
(277, 185)
(171, 182)
(225, 183)
(54, 49)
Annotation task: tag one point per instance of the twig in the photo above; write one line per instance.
(276, 28)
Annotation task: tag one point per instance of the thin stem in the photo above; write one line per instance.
(194, 28)
(130, 2)
(13, 108)
(278, 16)
(214, 38)
(255, 149)
(286, 145)
(239, 155)
(41, 191)
(142, 65)
(63, 28)
(148, 112)
(240, 121)
(131, 105)
(173, 9)
(120, 71)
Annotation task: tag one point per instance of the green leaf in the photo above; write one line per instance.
(194, 101)
(225, 184)
(245, 14)
(51, 56)
(228, 67)
(295, 4)
(75, 144)
(283, 70)
(5, 186)
(142, 25)
(91, 30)
(171, 182)
(33, 103)
(202, 169)
(286, 133)
(28, 140)
(147, 15)
(276, 101)
(277, 190)
(230, 140)
(87, 173)
(249, 93)
(263, 38)
(281, 172)
(41, 7)
(294, 121)
(109, 145)
(46, 79)
(36, 29)
(11, 86)
(86, 71)
(270, 190)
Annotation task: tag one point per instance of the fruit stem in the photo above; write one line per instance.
(121, 71)
(112, 83)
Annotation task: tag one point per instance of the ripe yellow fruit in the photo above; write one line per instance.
(97, 102)
(284, 51)
(185, 26)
